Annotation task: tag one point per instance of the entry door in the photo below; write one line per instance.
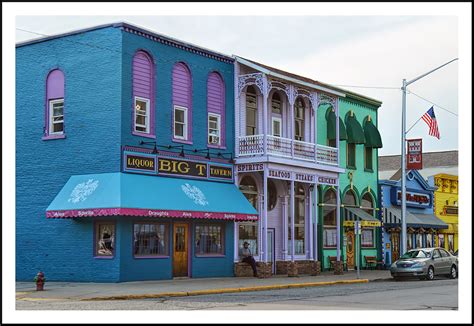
(271, 248)
(350, 249)
(395, 246)
(180, 251)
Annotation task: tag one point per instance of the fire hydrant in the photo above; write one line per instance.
(39, 280)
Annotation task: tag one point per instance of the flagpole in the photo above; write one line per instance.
(403, 156)
(413, 125)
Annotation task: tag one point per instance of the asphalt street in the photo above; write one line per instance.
(440, 294)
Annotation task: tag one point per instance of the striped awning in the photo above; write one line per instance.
(392, 216)
(351, 214)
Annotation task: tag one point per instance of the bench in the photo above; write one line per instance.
(370, 262)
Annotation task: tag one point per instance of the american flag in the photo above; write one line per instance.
(430, 119)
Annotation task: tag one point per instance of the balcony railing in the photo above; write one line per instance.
(285, 147)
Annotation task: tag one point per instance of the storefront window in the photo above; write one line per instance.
(329, 219)
(367, 238)
(105, 239)
(249, 189)
(248, 232)
(410, 241)
(451, 243)
(367, 204)
(272, 195)
(429, 240)
(150, 239)
(349, 199)
(299, 222)
(441, 240)
(419, 243)
(209, 239)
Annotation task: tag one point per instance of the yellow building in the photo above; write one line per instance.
(446, 208)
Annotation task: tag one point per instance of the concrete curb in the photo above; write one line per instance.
(224, 290)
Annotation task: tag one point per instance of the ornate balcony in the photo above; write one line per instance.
(287, 148)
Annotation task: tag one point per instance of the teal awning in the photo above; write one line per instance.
(331, 127)
(141, 195)
(372, 135)
(355, 134)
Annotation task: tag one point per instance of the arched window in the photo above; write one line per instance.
(329, 219)
(54, 110)
(182, 103)
(276, 103)
(215, 110)
(299, 119)
(300, 212)
(248, 231)
(349, 199)
(367, 203)
(251, 111)
(143, 84)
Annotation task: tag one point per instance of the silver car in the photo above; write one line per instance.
(425, 263)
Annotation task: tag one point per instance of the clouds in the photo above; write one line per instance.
(342, 50)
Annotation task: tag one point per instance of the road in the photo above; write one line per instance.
(441, 294)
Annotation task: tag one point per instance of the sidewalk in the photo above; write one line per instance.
(185, 286)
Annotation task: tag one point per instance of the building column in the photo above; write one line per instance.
(265, 213)
(315, 231)
(337, 133)
(292, 216)
(309, 224)
(291, 102)
(285, 227)
(260, 223)
(265, 93)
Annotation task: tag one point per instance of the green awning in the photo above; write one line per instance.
(355, 134)
(331, 119)
(372, 135)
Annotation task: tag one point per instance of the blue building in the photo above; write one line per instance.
(422, 224)
(125, 143)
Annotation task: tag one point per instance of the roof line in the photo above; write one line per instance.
(449, 150)
(277, 75)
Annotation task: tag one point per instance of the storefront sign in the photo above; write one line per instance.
(413, 199)
(279, 174)
(160, 165)
(250, 167)
(327, 180)
(363, 223)
(305, 177)
(414, 155)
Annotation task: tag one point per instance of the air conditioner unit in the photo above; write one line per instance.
(214, 140)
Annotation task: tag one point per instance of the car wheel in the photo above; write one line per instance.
(454, 272)
(430, 274)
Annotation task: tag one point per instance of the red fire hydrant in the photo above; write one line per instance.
(39, 280)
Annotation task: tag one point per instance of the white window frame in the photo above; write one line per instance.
(185, 123)
(219, 135)
(51, 117)
(281, 126)
(147, 115)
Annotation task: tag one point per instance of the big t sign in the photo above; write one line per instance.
(414, 155)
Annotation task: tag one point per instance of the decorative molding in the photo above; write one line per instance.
(326, 99)
(257, 79)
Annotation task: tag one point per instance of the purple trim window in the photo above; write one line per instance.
(143, 86)
(54, 106)
(182, 119)
(150, 240)
(215, 111)
(104, 240)
(209, 239)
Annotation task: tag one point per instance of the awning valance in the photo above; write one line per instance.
(141, 195)
(392, 216)
(331, 127)
(355, 134)
(372, 135)
(351, 214)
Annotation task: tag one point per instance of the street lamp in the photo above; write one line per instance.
(403, 176)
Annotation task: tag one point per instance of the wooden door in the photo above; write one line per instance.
(350, 249)
(180, 251)
(395, 246)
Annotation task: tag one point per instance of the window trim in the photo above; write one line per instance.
(147, 116)
(219, 121)
(95, 234)
(167, 232)
(254, 110)
(51, 102)
(185, 123)
(223, 247)
(278, 119)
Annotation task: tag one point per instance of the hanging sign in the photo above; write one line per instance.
(414, 155)
(413, 199)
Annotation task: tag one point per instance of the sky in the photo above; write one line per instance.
(374, 51)
(361, 44)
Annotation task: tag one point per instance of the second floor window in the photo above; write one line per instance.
(299, 120)
(180, 128)
(351, 155)
(251, 112)
(214, 129)
(56, 116)
(368, 158)
(142, 115)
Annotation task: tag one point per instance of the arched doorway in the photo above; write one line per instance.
(350, 201)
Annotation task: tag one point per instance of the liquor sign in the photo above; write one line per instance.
(250, 167)
(136, 162)
(414, 155)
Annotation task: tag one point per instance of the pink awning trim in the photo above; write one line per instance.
(149, 213)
